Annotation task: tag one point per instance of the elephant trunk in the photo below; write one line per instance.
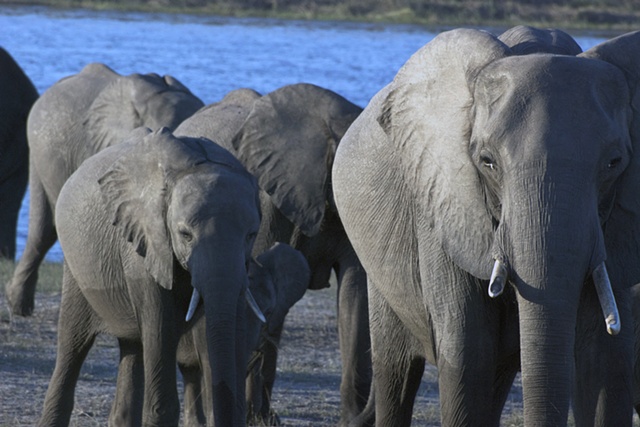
(551, 249)
(222, 291)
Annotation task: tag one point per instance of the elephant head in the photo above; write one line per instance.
(521, 168)
(189, 209)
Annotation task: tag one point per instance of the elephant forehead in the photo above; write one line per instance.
(213, 193)
(552, 97)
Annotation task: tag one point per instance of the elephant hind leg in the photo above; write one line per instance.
(41, 236)
(76, 333)
(397, 364)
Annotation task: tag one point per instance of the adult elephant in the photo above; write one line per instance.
(74, 119)
(144, 225)
(476, 168)
(17, 95)
(278, 278)
(287, 139)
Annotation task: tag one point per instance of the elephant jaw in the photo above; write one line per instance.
(499, 277)
(195, 300)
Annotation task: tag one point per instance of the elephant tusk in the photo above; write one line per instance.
(195, 299)
(498, 279)
(607, 299)
(254, 306)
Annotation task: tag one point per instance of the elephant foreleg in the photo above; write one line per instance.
(355, 342)
(193, 409)
(76, 334)
(41, 236)
(126, 410)
(397, 365)
(161, 406)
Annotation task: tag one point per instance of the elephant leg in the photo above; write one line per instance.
(41, 236)
(603, 389)
(397, 364)
(355, 342)
(11, 194)
(267, 378)
(161, 406)
(76, 334)
(126, 410)
(192, 398)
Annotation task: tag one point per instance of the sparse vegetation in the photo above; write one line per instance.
(613, 15)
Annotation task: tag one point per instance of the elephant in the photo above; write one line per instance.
(278, 278)
(144, 225)
(490, 196)
(74, 119)
(287, 139)
(17, 95)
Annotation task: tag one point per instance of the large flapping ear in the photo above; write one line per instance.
(524, 40)
(112, 115)
(220, 121)
(288, 142)
(160, 101)
(136, 189)
(427, 116)
(291, 274)
(622, 230)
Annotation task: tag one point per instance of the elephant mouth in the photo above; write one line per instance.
(500, 275)
(195, 300)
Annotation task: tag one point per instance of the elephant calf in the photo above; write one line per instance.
(145, 225)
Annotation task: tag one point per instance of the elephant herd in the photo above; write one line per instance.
(481, 214)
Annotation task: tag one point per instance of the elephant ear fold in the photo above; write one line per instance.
(291, 274)
(427, 116)
(622, 230)
(136, 190)
(288, 142)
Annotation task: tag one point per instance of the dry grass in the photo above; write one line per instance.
(306, 392)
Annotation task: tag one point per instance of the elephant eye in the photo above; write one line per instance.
(488, 162)
(613, 163)
(185, 235)
(251, 237)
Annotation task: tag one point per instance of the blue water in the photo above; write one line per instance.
(211, 55)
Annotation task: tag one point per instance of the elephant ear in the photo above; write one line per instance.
(136, 189)
(129, 102)
(291, 274)
(622, 230)
(427, 116)
(288, 142)
(524, 40)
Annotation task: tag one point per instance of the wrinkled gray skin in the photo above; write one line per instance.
(278, 278)
(17, 95)
(74, 119)
(474, 154)
(287, 139)
(132, 263)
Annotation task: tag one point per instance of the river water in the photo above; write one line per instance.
(211, 55)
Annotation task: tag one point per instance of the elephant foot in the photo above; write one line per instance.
(20, 300)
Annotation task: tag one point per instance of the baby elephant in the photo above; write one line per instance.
(144, 225)
(278, 278)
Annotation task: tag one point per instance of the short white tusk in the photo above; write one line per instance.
(498, 279)
(254, 306)
(607, 300)
(195, 299)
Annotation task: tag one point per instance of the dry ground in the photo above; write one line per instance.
(306, 391)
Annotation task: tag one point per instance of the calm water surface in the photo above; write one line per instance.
(211, 55)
